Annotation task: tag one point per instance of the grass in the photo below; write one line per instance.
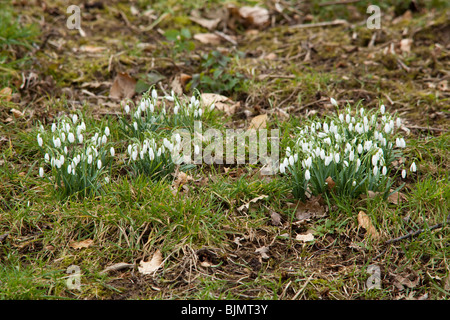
(208, 243)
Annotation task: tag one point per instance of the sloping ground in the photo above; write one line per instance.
(291, 71)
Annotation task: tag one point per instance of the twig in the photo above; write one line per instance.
(416, 233)
(331, 3)
(319, 24)
(427, 128)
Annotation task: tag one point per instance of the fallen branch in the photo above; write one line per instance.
(416, 233)
(320, 24)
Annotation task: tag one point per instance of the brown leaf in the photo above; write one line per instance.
(208, 38)
(396, 198)
(255, 16)
(6, 94)
(117, 266)
(263, 251)
(276, 218)
(246, 206)
(181, 178)
(331, 184)
(210, 24)
(364, 222)
(305, 237)
(221, 103)
(17, 113)
(312, 208)
(258, 122)
(405, 45)
(123, 86)
(91, 49)
(81, 244)
(151, 266)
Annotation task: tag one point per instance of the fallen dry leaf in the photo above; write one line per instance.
(151, 266)
(364, 222)
(6, 94)
(256, 17)
(396, 198)
(245, 207)
(208, 38)
(405, 45)
(181, 178)
(17, 113)
(258, 122)
(81, 244)
(210, 24)
(117, 266)
(400, 281)
(123, 86)
(305, 237)
(330, 183)
(91, 49)
(221, 102)
(312, 208)
(263, 252)
(276, 218)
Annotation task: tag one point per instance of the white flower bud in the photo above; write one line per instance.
(112, 152)
(413, 167)
(307, 175)
(41, 172)
(99, 164)
(71, 137)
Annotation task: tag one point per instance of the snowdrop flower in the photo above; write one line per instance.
(375, 159)
(151, 154)
(325, 127)
(403, 173)
(89, 159)
(46, 157)
(360, 148)
(286, 162)
(295, 157)
(282, 168)
(358, 164)
(384, 170)
(354, 183)
(333, 102)
(350, 126)
(41, 172)
(65, 149)
(99, 164)
(322, 154)
(154, 94)
(58, 163)
(57, 143)
(351, 156)
(80, 138)
(307, 175)
(328, 160)
(375, 170)
(291, 160)
(127, 109)
(104, 139)
(308, 162)
(413, 167)
(71, 137)
(336, 158)
(107, 132)
(135, 125)
(53, 127)
(200, 112)
(382, 109)
(341, 117)
(63, 136)
(74, 118)
(39, 140)
(399, 122)
(134, 155)
(347, 118)
(112, 152)
(69, 169)
(196, 149)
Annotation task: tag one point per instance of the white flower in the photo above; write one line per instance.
(104, 139)
(69, 169)
(333, 102)
(360, 148)
(151, 154)
(403, 173)
(53, 127)
(328, 159)
(89, 159)
(384, 170)
(46, 157)
(286, 162)
(347, 118)
(354, 183)
(39, 140)
(325, 127)
(80, 138)
(41, 172)
(308, 162)
(375, 159)
(336, 158)
(134, 155)
(291, 160)
(307, 175)
(99, 164)
(107, 131)
(358, 164)
(351, 156)
(382, 109)
(112, 152)
(61, 159)
(282, 168)
(107, 179)
(399, 122)
(196, 149)
(341, 117)
(63, 136)
(127, 109)
(135, 125)
(413, 167)
(65, 149)
(154, 94)
(71, 137)
(375, 170)
(74, 118)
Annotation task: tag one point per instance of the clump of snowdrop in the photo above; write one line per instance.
(153, 159)
(74, 159)
(355, 148)
(155, 113)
